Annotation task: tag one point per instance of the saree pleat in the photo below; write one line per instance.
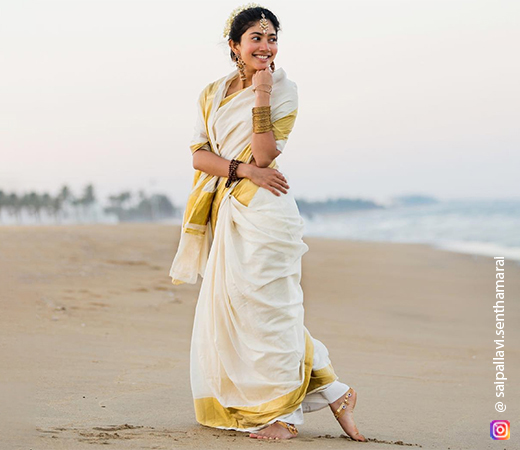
(252, 360)
(251, 356)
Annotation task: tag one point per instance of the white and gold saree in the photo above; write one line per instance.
(252, 360)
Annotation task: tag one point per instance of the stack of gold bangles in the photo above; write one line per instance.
(262, 119)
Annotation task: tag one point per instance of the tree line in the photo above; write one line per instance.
(65, 207)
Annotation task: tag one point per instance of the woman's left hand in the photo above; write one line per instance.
(263, 76)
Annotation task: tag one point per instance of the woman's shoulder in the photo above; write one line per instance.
(284, 81)
(285, 90)
(211, 88)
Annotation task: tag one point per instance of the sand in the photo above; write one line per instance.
(94, 343)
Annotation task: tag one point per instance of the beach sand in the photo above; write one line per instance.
(94, 343)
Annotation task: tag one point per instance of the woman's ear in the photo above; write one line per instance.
(234, 47)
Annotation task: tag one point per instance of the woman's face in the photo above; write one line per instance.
(257, 49)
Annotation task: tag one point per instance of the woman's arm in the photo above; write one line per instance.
(263, 145)
(265, 177)
(213, 164)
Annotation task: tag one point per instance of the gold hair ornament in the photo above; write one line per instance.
(237, 11)
(264, 24)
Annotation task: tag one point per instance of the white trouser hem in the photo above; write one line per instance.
(312, 402)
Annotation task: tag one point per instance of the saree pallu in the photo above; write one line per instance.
(252, 360)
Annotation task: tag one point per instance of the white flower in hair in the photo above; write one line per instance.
(235, 13)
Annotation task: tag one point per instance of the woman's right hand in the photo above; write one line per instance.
(270, 179)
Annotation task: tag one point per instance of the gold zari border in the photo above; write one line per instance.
(210, 412)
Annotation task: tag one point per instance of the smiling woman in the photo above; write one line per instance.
(254, 365)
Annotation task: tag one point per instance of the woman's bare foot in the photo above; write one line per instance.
(274, 431)
(346, 417)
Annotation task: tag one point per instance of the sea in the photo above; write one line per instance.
(477, 227)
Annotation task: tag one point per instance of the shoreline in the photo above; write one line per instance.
(472, 248)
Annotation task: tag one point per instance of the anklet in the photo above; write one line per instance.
(343, 405)
(290, 427)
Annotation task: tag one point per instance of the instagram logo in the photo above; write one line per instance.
(499, 430)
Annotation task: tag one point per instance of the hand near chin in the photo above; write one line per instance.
(263, 76)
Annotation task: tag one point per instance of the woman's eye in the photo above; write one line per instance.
(272, 39)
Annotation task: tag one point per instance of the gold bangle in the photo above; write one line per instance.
(260, 130)
(262, 109)
(262, 119)
(261, 90)
(263, 84)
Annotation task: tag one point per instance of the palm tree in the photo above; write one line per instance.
(117, 205)
(14, 205)
(46, 203)
(64, 198)
(3, 202)
(88, 198)
(55, 207)
(33, 203)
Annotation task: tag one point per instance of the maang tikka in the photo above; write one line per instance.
(264, 24)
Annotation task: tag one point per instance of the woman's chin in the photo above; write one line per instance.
(262, 66)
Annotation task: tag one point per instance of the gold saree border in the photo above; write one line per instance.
(230, 97)
(244, 191)
(283, 126)
(206, 99)
(321, 377)
(210, 412)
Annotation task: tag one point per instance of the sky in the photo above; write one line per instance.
(396, 97)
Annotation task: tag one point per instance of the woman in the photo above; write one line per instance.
(254, 366)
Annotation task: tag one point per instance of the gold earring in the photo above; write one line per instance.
(272, 66)
(241, 66)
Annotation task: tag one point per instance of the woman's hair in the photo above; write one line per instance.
(245, 20)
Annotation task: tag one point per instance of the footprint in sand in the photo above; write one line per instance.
(161, 288)
(126, 262)
(106, 434)
(141, 289)
(382, 441)
(99, 304)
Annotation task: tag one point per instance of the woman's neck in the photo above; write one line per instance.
(244, 84)
(249, 79)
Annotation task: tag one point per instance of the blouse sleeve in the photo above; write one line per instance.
(200, 138)
(284, 116)
(281, 129)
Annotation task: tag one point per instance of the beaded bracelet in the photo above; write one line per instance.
(233, 172)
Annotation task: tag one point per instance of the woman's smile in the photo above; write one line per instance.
(257, 49)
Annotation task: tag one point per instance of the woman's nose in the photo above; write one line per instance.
(264, 46)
